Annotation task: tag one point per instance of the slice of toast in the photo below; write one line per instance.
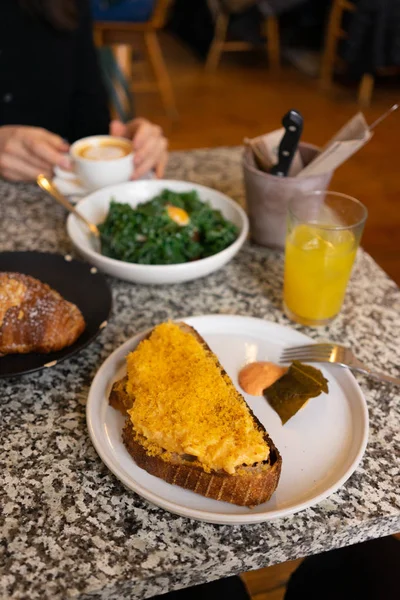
(247, 486)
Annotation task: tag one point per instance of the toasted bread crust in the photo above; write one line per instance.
(249, 486)
(118, 398)
(252, 486)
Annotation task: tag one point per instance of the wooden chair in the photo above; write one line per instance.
(335, 33)
(221, 43)
(126, 33)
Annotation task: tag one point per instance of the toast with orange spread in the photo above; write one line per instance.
(187, 423)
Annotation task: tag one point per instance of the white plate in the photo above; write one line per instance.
(95, 208)
(72, 187)
(321, 445)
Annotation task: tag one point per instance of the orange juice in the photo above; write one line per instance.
(318, 264)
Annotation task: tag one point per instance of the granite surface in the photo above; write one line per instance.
(69, 529)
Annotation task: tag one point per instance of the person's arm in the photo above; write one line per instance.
(27, 151)
(148, 142)
(89, 113)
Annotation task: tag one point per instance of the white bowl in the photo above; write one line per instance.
(95, 207)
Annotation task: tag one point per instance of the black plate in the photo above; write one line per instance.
(76, 282)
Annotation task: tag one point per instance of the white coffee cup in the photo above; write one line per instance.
(102, 160)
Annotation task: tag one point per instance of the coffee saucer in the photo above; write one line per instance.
(72, 187)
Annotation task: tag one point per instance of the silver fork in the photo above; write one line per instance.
(332, 353)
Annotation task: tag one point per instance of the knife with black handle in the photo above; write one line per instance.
(293, 124)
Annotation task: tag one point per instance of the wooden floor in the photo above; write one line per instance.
(270, 583)
(244, 99)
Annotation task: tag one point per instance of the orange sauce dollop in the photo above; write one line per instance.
(255, 377)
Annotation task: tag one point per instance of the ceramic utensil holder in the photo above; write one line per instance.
(268, 196)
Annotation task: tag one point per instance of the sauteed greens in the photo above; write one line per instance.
(171, 228)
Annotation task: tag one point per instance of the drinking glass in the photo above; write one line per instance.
(323, 233)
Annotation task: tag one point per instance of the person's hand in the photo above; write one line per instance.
(148, 142)
(27, 151)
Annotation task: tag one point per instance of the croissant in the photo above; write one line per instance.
(34, 317)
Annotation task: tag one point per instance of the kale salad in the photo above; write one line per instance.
(171, 228)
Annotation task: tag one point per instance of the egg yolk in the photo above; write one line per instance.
(178, 215)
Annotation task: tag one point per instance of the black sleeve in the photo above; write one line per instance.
(89, 113)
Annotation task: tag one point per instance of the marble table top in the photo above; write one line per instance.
(69, 528)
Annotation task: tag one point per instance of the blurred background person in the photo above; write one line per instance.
(52, 93)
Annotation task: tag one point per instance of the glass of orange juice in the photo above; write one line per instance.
(323, 233)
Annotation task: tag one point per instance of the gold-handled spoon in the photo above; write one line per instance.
(49, 187)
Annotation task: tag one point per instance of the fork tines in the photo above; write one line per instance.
(307, 352)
